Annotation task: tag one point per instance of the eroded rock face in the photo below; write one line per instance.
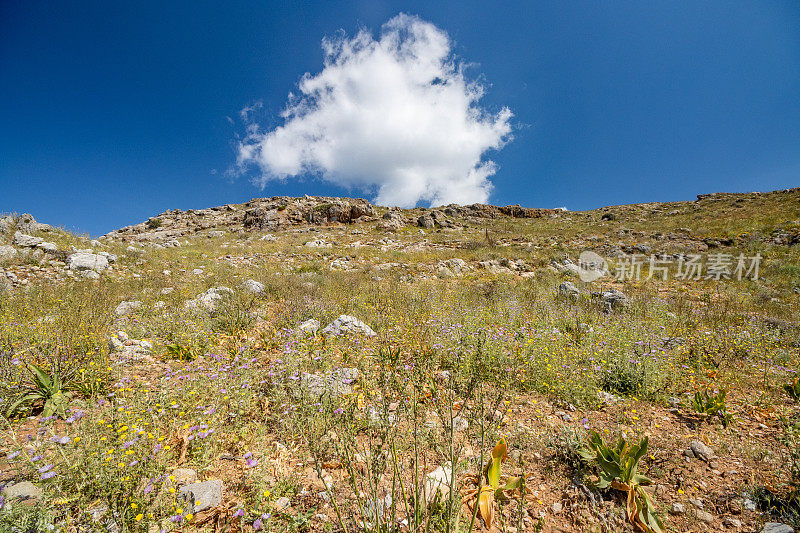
(282, 212)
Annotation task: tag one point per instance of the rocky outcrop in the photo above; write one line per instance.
(283, 212)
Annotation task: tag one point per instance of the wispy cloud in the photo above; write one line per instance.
(393, 116)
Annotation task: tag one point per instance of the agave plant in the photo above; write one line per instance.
(45, 388)
(618, 470)
(712, 405)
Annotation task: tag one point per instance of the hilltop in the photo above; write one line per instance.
(323, 363)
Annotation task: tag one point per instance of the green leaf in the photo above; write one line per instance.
(23, 399)
(41, 377)
(495, 463)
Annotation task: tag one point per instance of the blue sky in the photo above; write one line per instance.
(113, 112)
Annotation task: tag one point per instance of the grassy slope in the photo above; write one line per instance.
(522, 363)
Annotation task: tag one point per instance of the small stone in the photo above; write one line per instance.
(704, 516)
(310, 326)
(677, 509)
(696, 503)
(460, 423)
(777, 527)
(701, 451)
(201, 496)
(749, 505)
(126, 308)
(732, 523)
(252, 286)
(437, 482)
(282, 503)
(557, 507)
(24, 490)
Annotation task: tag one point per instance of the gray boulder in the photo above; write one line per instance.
(568, 290)
(211, 299)
(310, 326)
(201, 496)
(614, 300)
(24, 490)
(48, 247)
(83, 261)
(7, 253)
(5, 224)
(27, 224)
(777, 527)
(425, 221)
(252, 286)
(335, 382)
(25, 240)
(126, 308)
(348, 324)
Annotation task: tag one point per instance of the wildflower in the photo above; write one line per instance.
(13, 455)
(48, 475)
(139, 517)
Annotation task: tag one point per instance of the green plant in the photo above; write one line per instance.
(712, 405)
(622, 378)
(618, 470)
(234, 317)
(180, 352)
(153, 223)
(793, 389)
(491, 491)
(43, 387)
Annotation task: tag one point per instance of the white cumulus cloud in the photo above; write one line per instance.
(394, 116)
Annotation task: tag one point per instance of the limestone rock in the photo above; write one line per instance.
(777, 527)
(348, 324)
(24, 490)
(126, 308)
(201, 496)
(7, 253)
(82, 261)
(437, 484)
(25, 240)
(309, 327)
(252, 286)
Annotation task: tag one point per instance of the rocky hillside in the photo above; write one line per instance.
(324, 364)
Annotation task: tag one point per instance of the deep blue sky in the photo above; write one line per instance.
(112, 112)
